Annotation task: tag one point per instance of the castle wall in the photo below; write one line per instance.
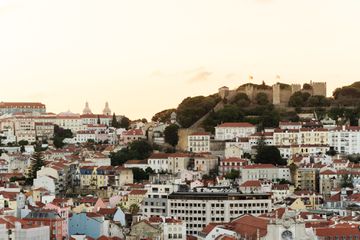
(319, 88)
(276, 94)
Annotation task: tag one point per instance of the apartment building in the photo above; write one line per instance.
(199, 142)
(197, 209)
(345, 139)
(264, 171)
(230, 131)
(155, 201)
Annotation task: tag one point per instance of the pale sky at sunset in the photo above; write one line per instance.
(146, 56)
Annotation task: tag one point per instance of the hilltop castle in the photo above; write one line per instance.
(278, 94)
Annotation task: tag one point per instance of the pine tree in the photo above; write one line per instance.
(98, 120)
(37, 161)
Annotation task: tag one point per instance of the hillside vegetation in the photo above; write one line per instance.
(344, 106)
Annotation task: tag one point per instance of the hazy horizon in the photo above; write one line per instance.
(146, 56)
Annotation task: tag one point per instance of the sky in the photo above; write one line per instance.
(146, 56)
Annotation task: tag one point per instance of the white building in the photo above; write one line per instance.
(199, 142)
(264, 171)
(174, 229)
(345, 139)
(230, 131)
(199, 209)
(155, 202)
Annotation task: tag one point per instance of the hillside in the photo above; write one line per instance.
(209, 111)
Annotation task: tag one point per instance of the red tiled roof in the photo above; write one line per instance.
(328, 172)
(349, 231)
(258, 166)
(234, 159)
(21, 105)
(159, 156)
(236, 124)
(138, 192)
(200, 134)
(251, 183)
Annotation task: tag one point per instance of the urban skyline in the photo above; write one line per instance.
(164, 51)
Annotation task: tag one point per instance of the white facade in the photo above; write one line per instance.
(200, 209)
(174, 229)
(345, 139)
(264, 171)
(199, 142)
(229, 131)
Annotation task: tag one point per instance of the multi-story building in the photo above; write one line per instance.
(21, 107)
(345, 139)
(44, 131)
(228, 164)
(306, 178)
(205, 163)
(303, 136)
(264, 171)
(133, 135)
(198, 209)
(199, 142)
(48, 218)
(25, 130)
(155, 201)
(230, 131)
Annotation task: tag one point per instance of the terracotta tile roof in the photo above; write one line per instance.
(258, 166)
(328, 172)
(138, 192)
(107, 211)
(159, 156)
(200, 134)
(347, 232)
(208, 228)
(251, 183)
(236, 124)
(136, 161)
(234, 159)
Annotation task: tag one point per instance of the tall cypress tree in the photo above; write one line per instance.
(37, 161)
(114, 122)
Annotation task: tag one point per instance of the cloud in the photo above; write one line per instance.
(200, 77)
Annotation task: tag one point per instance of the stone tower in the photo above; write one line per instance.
(223, 92)
(107, 110)
(319, 88)
(276, 94)
(295, 88)
(87, 109)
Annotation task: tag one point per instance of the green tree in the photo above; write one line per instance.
(268, 154)
(299, 99)
(60, 134)
(318, 101)
(23, 143)
(346, 181)
(114, 122)
(262, 98)
(134, 209)
(193, 108)
(163, 116)
(37, 161)
(241, 100)
(98, 119)
(124, 122)
(233, 174)
(140, 175)
(136, 150)
(171, 134)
